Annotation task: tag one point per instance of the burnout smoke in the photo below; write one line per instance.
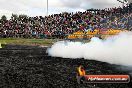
(115, 50)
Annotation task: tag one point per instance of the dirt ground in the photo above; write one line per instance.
(31, 67)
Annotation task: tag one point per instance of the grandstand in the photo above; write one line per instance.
(92, 22)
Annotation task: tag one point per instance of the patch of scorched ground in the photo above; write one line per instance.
(31, 67)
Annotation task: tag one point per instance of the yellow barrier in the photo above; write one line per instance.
(90, 34)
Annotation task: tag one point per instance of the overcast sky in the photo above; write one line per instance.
(38, 7)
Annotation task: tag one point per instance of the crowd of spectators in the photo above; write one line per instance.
(60, 25)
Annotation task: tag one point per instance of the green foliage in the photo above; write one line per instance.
(14, 16)
(3, 18)
(20, 41)
(122, 1)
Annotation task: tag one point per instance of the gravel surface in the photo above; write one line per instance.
(31, 67)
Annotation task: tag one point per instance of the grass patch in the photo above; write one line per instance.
(20, 41)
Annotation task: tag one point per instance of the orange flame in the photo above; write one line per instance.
(81, 71)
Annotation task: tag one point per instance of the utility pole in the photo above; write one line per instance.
(123, 2)
(47, 7)
(128, 18)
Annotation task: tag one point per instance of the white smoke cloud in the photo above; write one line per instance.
(115, 50)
